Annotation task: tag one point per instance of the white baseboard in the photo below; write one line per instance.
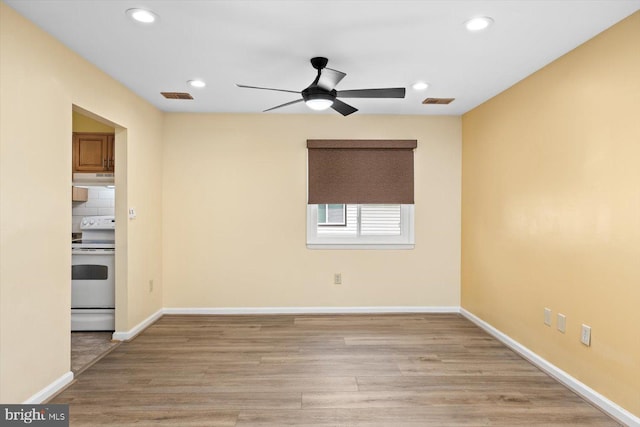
(50, 390)
(127, 335)
(606, 405)
(311, 310)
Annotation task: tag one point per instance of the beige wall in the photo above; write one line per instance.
(40, 81)
(83, 123)
(234, 196)
(551, 211)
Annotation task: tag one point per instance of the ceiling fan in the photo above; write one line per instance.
(321, 93)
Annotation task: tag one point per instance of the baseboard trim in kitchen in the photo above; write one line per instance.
(312, 310)
(131, 333)
(50, 390)
(613, 409)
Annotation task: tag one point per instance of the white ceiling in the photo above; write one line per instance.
(269, 43)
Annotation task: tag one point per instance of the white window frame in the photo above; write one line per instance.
(406, 239)
(334, 224)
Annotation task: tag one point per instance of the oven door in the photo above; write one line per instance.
(92, 278)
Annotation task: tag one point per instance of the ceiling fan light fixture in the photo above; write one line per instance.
(317, 98)
(319, 104)
(142, 15)
(478, 23)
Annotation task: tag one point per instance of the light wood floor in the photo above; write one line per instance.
(313, 370)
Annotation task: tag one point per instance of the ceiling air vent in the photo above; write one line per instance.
(440, 101)
(176, 95)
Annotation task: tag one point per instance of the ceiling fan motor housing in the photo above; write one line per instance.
(316, 92)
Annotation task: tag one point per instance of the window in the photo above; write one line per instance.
(360, 194)
(366, 226)
(332, 215)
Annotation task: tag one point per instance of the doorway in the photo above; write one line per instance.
(95, 196)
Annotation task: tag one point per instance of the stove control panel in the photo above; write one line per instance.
(98, 223)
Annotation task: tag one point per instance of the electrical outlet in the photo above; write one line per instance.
(547, 316)
(585, 335)
(337, 279)
(151, 285)
(561, 322)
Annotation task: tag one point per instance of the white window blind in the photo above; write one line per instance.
(380, 220)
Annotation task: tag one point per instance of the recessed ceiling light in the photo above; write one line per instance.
(196, 83)
(478, 23)
(420, 85)
(142, 15)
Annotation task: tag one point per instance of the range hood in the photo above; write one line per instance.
(101, 178)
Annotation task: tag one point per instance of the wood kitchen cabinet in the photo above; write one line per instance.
(79, 194)
(93, 152)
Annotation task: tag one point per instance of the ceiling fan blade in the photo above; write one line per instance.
(329, 78)
(393, 92)
(266, 88)
(342, 108)
(284, 105)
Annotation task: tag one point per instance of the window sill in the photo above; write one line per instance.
(378, 246)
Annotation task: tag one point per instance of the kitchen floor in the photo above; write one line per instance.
(89, 347)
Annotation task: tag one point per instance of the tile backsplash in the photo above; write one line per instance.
(101, 201)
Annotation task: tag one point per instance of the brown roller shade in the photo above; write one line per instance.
(360, 171)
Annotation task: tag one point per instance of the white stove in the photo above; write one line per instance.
(97, 232)
(92, 244)
(93, 275)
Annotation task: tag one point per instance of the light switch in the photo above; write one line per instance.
(132, 213)
(547, 316)
(585, 335)
(561, 322)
